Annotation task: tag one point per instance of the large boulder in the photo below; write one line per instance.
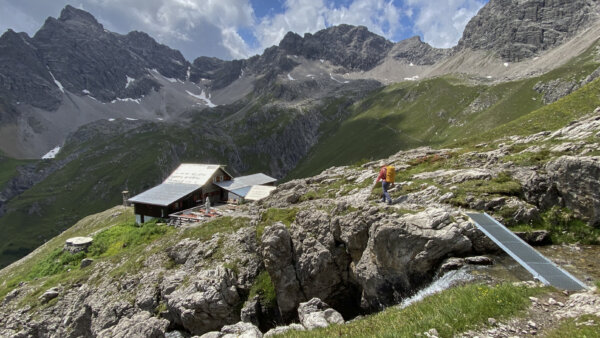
(315, 314)
(402, 254)
(577, 180)
(207, 303)
(571, 182)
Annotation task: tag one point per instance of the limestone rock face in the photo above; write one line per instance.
(141, 325)
(569, 181)
(576, 180)
(240, 329)
(401, 254)
(519, 30)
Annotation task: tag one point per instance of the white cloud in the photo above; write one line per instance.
(298, 16)
(308, 16)
(432, 19)
(221, 27)
(181, 23)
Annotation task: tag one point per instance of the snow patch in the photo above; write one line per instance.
(412, 64)
(412, 78)
(177, 62)
(488, 77)
(111, 120)
(506, 64)
(130, 80)
(290, 77)
(202, 97)
(128, 99)
(170, 79)
(85, 91)
(321, 60)
(187, 74)
(160, 119)
(52, 153)
(311, 76)
(130, 119)
(336, 80)
(241, 74)
(58, 84)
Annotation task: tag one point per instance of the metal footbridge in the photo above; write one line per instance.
(539, 266)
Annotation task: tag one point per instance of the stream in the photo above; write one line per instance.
(582, 261)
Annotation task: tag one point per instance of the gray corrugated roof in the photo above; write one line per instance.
(246, 181)
(241, 191)
(165, 194)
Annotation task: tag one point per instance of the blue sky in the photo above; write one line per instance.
(232, 29)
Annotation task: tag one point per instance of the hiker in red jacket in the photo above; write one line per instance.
(384, 184)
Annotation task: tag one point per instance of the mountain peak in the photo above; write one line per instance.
(520, 29)
(72, 14)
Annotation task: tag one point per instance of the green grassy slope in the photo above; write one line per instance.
(441, 111)
(8, 168)
(94, 181)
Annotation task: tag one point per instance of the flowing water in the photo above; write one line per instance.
(582, 261)
(439, 284)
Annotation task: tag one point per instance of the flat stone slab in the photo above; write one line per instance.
(77, 244)
(79, 241)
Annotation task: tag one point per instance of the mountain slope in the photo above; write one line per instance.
(444, 111)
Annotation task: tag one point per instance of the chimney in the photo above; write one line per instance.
(125, 198)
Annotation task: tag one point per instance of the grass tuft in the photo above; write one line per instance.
(583, 326)
(274, 215)
(450, 312)
(264, 288)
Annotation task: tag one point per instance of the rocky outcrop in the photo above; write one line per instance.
(401, 254)
(416, 52)
(240, 329)
(518, 30)
(142, 325)
(364, 258)
(570, 182)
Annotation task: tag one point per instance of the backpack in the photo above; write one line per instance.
(390, 175)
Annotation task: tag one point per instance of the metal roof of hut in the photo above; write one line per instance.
(245, 181)
(187, 178)
(191, 173)
(164, 194)
(258, 192)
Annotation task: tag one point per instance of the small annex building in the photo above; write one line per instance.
(239, 187)
(189, 185)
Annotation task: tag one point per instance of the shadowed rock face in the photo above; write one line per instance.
(77, 52)
(518, 30)
(351, 47)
